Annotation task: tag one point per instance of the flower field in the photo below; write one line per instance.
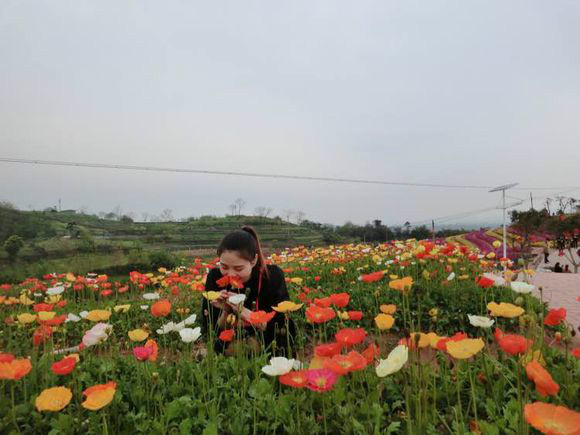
(400, 338)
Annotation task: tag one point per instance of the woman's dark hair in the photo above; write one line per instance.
(246, 242)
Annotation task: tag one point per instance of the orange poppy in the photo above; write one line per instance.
(340, 300)
(151, 344)
(6, 357)
(350, 336)
(42, 307)
(99, 396)
(233, 281)
(551, 419)
(542, 378)
(343, 364)
(257, 317)
(296, 379)
(316, 314)
(161, 308)
(15, 369)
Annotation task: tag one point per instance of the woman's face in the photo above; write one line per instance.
(232, 264)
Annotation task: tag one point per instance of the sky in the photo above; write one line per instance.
(446, 92)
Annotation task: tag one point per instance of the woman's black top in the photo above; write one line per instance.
(272, 292)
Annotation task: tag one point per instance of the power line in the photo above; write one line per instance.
(249, 174)
(483, 210)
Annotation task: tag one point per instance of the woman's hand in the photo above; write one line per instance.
(221, 303)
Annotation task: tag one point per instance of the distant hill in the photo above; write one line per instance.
(78, 242)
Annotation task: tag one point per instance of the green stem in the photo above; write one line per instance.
(13, 407)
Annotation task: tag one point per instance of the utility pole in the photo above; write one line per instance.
(433, 230)
(503, 189)
(531, 201)
(59, 205)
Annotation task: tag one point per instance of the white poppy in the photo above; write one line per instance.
(190, 320)
(72, 318)
(144, 307)
(394, 362)
(189, 335)
(522, 287)
(151, 296)
(38, 295)
(278, 366)
(237, 299)
(97, 334)
(451, 276)
(179, 326)
(55, 291)
(480, 321)
(83, 314)
(168, 327)
(298, 365)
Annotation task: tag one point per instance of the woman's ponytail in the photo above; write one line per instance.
(261, 263)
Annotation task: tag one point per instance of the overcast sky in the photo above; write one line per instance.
(455, 92)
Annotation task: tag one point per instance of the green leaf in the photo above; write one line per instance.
(210, 429)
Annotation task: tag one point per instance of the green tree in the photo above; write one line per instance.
(12, 246)
(529, 222)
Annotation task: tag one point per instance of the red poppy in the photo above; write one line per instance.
(42, 307)
(64, 366)
(296, 379)
(542, 378)
(372, 277)
(355, 315)
(323, 302)
(555, 317)
(512, 343)
(371, 352)
(227, 335)
(442, 343)
(6, 357)
(257, 317)
(328, 350)
(340, 300)
(350, 336)
(41, 334)
(576, 352)
(55, 321)
(105, 293)
(316, 314)
(485, 282)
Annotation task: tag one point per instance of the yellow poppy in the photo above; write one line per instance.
(388, 308)
(504, 309)
(424, 339)
(53, 399)
(98, 315)
(465, 348)
(44, 316)
(26, 318)
(403, 284)
(70, 277)
(384, 321)
(138, 335)
(25, 300)
(99, 396)
(121, 308)
(211, 295)
(286, 306)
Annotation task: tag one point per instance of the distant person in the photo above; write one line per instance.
(546, 254)
(558, 268)
(567, 269)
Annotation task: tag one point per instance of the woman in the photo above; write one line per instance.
(242, 264)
